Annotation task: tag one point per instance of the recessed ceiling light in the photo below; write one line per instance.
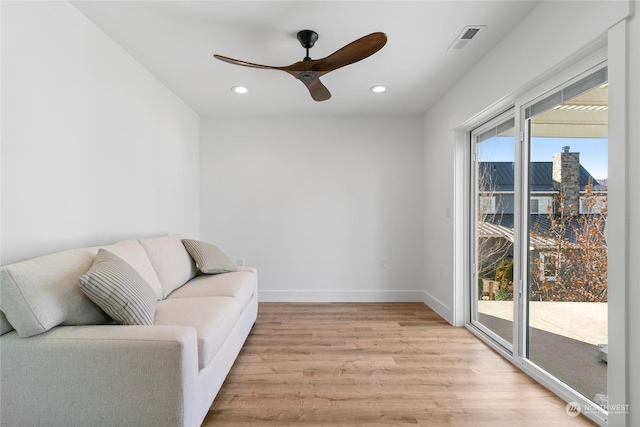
(240, 89)
(378, 89)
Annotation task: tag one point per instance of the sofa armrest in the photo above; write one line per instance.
(249, 269)
(255, 274)
(99, 375)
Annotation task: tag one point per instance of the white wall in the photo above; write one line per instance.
(315, 202)
(551, 34)
(94, 148)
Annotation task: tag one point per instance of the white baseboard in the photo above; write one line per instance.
(438, 306)
(341, 296)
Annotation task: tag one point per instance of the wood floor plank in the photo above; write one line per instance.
(375, 364)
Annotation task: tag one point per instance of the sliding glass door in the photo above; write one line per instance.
(566, 140)
(538, 258)
(493, 207)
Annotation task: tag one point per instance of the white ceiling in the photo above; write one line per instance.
(176, 40)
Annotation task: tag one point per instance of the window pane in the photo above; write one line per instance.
(494, 233)
(567, 283)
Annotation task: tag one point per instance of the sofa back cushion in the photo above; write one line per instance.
(171, 261)
(44, 292)
(132, 253)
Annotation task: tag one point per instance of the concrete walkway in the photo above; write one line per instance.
(582, 321)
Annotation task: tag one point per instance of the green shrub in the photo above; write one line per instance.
(504, 275)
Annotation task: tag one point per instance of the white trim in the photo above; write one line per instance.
(560, 78)
(618, 224)
(442, 309)
(548, 199)
(596, 209)
(340, 296)
(487, 200)
(496, 339)
(495, 346)
(461, 212)
(520, 251)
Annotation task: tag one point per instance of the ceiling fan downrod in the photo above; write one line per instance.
(307, 39)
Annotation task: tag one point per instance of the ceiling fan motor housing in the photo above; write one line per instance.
(307, 38)
(307, 75)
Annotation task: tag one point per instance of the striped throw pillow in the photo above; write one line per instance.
(208, 258)
(119, 290)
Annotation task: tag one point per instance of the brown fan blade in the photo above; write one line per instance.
(318, 91)
(353, 52)
(244, 63)
(293, 69)
(309, 71)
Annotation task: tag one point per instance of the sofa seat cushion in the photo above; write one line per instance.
(5, 326)
(44, 292)
(213, 318)
(239, 284)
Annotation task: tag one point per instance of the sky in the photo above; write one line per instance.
(593, 151)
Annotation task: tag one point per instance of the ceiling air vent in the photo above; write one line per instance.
(467, 34)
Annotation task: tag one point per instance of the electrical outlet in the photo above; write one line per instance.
(240, 262)
(383, 263)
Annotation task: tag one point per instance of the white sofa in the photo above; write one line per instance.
(63, 362)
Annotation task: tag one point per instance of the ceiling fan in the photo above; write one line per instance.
(309, 71)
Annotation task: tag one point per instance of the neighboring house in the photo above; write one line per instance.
(557, 188)
(547, 180)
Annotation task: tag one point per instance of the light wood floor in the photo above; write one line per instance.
(375, 364)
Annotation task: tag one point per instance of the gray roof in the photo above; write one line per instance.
(539, 226)
(541, 176)
(489, 230)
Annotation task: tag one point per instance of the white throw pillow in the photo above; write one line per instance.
(209, 258)
(132, 253)
(119, 290)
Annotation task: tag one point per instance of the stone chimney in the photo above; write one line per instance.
(566, 180)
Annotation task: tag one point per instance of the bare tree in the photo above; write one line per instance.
(577, 255)
(494, 244)
(494, 239)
